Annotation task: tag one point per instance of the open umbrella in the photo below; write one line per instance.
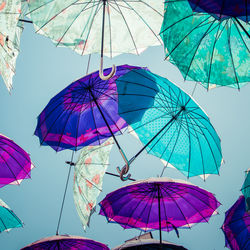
(8, 219)
(83, 114)
(172, 127)
(210, 48)
(146, 242)
(89, 171)
(10, 32)
(236, 226)
(129, 26)
(246, 189)
(66, 242)
(15, 163)
(159, 203)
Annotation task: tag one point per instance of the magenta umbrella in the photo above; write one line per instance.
(159, 203)
(64, 242)
(15, 163)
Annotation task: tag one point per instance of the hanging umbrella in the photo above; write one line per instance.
(128, 26)
(236, 226)
(63, 242)
(10, 32)
(208, 48)
(246, 189)
(146, 242)
(89, 172)
(222, 8)
(173, 127)
(8, 219)
(159, 203)
(83, 114)
(15, 163)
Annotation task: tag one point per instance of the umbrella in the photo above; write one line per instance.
(10, 32)
(236, 226)
(83, 114)
(8, 219)
(222, 8)
(15, 163)
(129, 26)
(246, 189)
(207, 48)
(146, 242)
(63, 242)
(159, 203)
(173, 126)
(89, 171)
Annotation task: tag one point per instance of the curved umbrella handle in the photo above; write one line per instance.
(110, 75)
(123, 172)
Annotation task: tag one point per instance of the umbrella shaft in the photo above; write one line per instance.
(159, 211)
(103, 24)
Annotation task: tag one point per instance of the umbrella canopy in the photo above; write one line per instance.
(89, 171)
(66, 242)
(159, 203)
(146, 242)
(173, 126)
(10, 32)
(212, 51)
(236, 226)
(222, 8)
(8, 219)
(84, 113)
(246, 189)
(129, 26)
(15, 163)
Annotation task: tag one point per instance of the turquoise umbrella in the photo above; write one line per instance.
(207, 49)
(8, 219)
(174, 128)
(246, 189)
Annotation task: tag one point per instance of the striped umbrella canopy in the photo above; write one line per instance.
(236, 226)
(66, 242)
(15, 163)
(159, 203)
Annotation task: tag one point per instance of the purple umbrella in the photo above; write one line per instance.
(236, 226)
(15, 163)
(66, 242)
(159, 203)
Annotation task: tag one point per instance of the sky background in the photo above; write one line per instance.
(42, 71)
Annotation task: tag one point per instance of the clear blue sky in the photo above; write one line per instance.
(42, 71)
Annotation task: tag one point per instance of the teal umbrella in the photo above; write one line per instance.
(174, 127)
(210, 50)
(8, 219)
(246, 189)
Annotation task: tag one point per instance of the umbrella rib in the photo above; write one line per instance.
(70, 113)
(80, 12)
(144, 21)
(241, 36)
(231, 55)
(169, 158)
(92, 22)
(127, 27)
(192, 204)
(209, 143)
(60, 114)
(27, 173)
(109, 22)
(165, 189)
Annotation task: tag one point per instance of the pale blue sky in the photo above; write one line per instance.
(42, 71)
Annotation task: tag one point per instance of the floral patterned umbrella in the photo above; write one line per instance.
(89, 171)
